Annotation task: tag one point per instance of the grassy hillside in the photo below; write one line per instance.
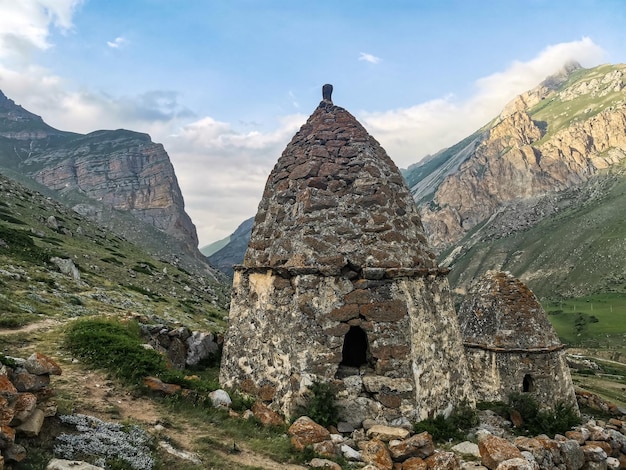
(116, 277)
(595, 321)
(561, 111)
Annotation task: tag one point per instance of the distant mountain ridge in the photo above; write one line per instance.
(120, 170)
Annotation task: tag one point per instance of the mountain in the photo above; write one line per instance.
(233, 252)
(550, 138)
(100, 173)
(538, 191)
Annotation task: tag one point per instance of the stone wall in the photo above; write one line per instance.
(296, 324)
(24, 401)
(498, 374)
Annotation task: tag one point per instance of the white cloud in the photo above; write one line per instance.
(372, 59)
(223, 171)
(25, 24)
(408, 134)
(117, 42)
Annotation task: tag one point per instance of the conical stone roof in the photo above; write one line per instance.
(335, 199)
(501, 312)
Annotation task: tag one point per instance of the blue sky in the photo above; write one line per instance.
(224, 84)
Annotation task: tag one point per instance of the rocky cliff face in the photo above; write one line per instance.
(120, 169)
(551, 138)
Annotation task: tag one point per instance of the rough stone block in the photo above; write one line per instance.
(304, 431)
(420, 445)
(24, 406)
(494, 450)
(375, 452)
(387, 433)
(24, 381)
(40, 364)
(32, 426)
(443, 461)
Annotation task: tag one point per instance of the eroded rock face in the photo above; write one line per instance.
(523, 156)
(339, 286)
(121, 169)
(124, 170)
(510, 345)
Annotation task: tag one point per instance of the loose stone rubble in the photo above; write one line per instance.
(593, 445)
(338, 286)
(181, 347)
(25, 400)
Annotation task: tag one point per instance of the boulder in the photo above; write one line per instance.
(495, 450)
(572, 455)
(518, 464)
(414, 463)
(325, 449)
(24, 406)
(267, 416)
(387, 433)
(467, 448)
(7, 436)
(177, 353)
(420, 445)
(61, 464)
(40, 364)
(350, 454)
(324, 463)
(594, 453)
(375, 453)
(157, 385)
(24, 381)
(443, 461)
(304, 431)
(199, 347)
(7, 411)
(612, 463)
(14, 453)
(32, 425)
(220, 399)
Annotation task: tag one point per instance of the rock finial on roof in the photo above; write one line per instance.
(327, 91)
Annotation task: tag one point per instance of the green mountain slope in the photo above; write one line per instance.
(576, 248)
(103, 274)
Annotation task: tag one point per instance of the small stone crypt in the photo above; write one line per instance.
(338, 286)
(510, 345)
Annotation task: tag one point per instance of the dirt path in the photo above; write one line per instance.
(40, 325)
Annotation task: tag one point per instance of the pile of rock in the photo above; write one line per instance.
(592, 446)
(24, 401)
(181, 346)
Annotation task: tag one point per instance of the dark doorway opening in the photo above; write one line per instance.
(528, 384)
(354, 352)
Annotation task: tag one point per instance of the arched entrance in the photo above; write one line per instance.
(528, 384)
(355, 345)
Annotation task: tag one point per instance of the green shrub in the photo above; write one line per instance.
(321, 406)
(455, 426)
(7, 361)
(535, 420)
(115, 347)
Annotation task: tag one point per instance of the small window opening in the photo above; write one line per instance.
(528, 384)
(354, 353)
